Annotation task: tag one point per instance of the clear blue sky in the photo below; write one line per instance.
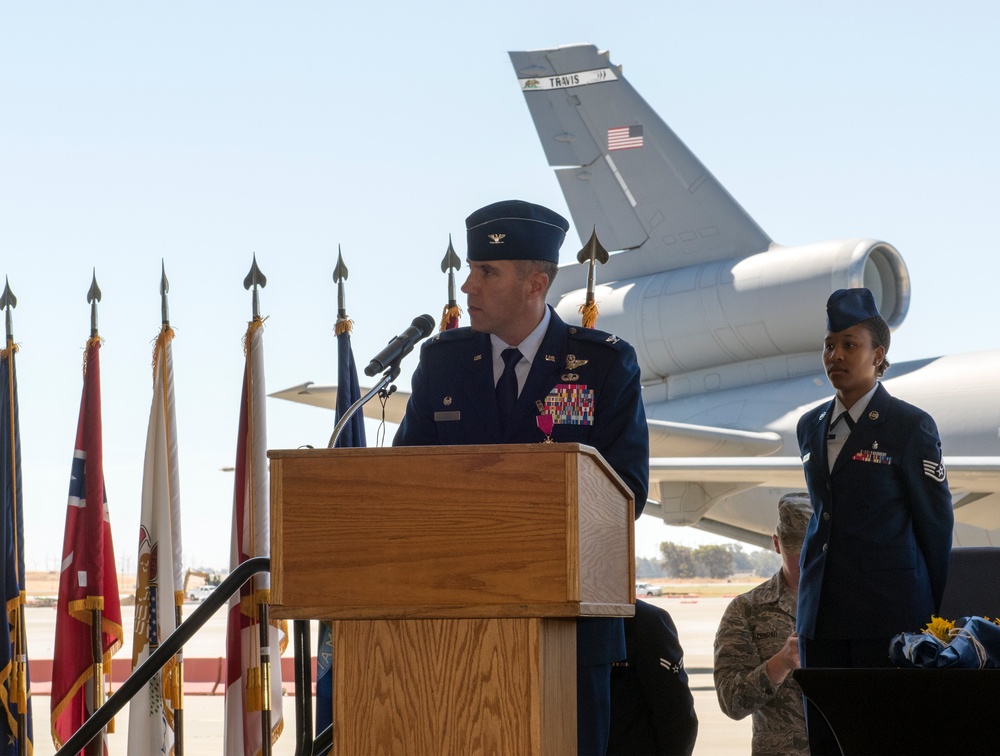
(200, 133)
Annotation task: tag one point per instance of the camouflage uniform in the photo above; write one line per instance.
(754, 628)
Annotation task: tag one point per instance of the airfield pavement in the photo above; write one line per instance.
(696, 617)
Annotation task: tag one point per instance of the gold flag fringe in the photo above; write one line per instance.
(590, 312)
(344, 325)
(450, 316)
(86, 350)
(164, 337)
(252, 326)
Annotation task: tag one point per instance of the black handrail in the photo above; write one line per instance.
(303, 689)
(142, 674)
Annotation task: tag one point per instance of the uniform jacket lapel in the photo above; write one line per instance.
(478, 382)
(543, 371)
(818, 433)
(866, 428)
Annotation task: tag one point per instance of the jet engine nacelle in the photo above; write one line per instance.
(729, 311)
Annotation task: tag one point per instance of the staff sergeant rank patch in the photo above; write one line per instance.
(934, 470)
(571, 404)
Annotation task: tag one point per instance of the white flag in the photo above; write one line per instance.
(251, 537)
(159, 583)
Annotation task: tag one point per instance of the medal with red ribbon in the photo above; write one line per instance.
(545, 423)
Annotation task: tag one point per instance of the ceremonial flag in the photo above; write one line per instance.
(88, 584)
(15, 682)
(245, 695)
(353, 434)
(159, 589)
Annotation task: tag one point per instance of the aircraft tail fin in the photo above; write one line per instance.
(628, 173)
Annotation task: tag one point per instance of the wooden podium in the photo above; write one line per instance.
(453, 575)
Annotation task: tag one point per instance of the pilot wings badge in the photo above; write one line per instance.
(572, 363)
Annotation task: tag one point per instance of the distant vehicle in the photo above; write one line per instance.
(648, 589)
(201, 593)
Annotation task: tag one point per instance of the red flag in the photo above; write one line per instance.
(245, 694)
(87, 581)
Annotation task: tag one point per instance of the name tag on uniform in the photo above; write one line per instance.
(444, 417)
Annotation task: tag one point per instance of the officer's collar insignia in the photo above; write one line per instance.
(496, 238)
(477, 358)
(550, 358)
(822, 416)
(612, 339)
(873, 415)
(572, 363)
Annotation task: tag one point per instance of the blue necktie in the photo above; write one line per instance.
(507, 386)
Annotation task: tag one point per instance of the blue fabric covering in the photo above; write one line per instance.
(976, 645)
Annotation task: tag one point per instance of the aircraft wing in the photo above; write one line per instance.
(692, 487)
(326, 396)
(965, 474)
(629, 174)
(671, 439)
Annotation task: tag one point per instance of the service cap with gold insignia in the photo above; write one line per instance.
(515, 230)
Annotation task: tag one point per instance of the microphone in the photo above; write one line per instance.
(402, 345)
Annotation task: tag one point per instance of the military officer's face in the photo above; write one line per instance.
(851, 362)
(501, 300)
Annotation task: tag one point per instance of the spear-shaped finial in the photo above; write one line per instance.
(8, 302)
(255, 279)
(340, 274)
(344, 324)
(93, 297)
(450, 263)
(592, 253)
(164, 288)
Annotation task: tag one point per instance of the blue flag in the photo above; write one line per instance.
(15, 684)
(353, 434)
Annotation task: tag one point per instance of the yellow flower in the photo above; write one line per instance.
(939, 628)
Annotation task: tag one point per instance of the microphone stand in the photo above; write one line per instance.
(391, 373)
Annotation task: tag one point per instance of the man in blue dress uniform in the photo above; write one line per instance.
(877, 548)
(517, 370)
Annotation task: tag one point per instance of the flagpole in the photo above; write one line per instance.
(452, 312)
(348, 403)
(591, 254)
(96, 746)
(255, 279)
(19, 689)
(265, 678)
(178, 676)
(343, 325)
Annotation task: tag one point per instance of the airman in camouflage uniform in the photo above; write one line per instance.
(756, 646)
